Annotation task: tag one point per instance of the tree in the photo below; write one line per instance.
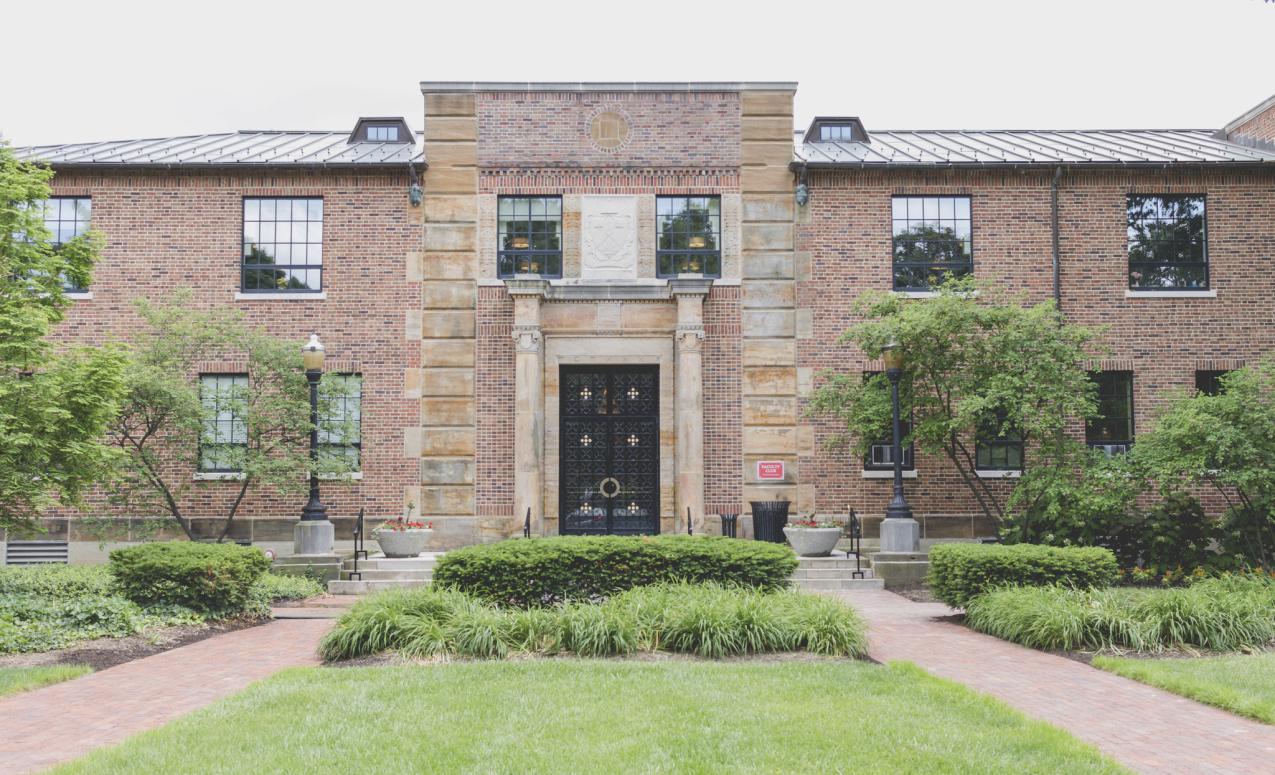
(972, 352)
(1225, 442)
(54, 402)
(166, 426)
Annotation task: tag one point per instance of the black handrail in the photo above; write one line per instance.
(856, 539)
(526, 524)
(359, 548)
(689, 530)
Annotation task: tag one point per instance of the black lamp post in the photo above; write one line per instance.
(898, 508)
(312, 358)
(900, 533)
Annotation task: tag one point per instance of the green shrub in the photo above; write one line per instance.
(59, 581)
(545, 571)
(212, 578)
(1220, 614)
(959, 572)
(31, 623)
(708, 620)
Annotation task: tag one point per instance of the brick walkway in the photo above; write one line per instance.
(48, 726)
(1144, 728)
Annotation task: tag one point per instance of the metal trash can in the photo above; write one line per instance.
(729, 524)
(769, 518)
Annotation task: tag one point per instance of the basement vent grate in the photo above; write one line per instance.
(35, 552)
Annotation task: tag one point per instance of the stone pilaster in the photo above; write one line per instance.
(769, 316)
(689, 390)
(446, 323)
(529, 401)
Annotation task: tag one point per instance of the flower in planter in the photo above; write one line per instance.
(402, 524)
(812, 521)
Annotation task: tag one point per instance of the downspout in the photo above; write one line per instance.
(1053, 206)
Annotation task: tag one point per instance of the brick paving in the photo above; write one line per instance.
(62, 722)
(1144, 728)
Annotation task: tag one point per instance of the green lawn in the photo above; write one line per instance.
(582, 716)
(1240, 683)
(21, 679)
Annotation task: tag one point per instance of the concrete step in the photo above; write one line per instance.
(390, 575)
(814, 585)
(832, 562)
(384, 563)
(828, 573)
(369, 586)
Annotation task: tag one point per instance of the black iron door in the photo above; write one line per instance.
(610, 450)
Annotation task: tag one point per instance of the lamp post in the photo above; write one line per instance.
(899, 531)
(312, 358)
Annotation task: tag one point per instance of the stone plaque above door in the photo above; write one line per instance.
(609, 237)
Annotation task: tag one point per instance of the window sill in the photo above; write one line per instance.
(299, 296)
(219, 476)
(79, 295)
(1209, 294)
(999, 474)
(353, 476)
(867, 474)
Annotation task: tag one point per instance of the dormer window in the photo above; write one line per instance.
(836, 130)
(381, 130)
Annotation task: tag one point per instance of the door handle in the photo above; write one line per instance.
(609, 487)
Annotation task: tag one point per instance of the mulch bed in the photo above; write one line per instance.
(102, 653)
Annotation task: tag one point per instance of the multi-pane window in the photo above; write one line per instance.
(836, 133)
(1167, 243)
(225, 433)
(1209, 382)
(282, 245)
(340, 429)
(530, 236)
(688, 234)
(67, 217)
(998, 445)
(880, 455)
(932, 238)
(1112, 430)
(382, 134)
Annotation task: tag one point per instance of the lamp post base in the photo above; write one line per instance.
(313, 536)
(901, 535)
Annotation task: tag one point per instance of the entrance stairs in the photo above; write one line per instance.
(379, 572)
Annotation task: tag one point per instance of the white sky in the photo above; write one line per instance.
(86, 71)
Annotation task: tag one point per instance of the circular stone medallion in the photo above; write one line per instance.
(609, 130)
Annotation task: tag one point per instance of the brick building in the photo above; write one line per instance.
(608, 307)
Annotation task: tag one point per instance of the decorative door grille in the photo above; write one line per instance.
(610, 450)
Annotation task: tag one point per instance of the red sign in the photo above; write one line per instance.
(770, 469)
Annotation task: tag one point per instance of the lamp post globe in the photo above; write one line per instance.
(312, 359)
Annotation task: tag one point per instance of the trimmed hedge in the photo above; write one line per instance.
(210, 578)
(545, 571)
(959, 572)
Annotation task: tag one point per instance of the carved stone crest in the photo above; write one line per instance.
(527, 339)
(609, 237)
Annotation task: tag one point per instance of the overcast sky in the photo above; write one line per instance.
(86, 71)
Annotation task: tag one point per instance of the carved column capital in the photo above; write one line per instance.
(690, 338)
(527, 339)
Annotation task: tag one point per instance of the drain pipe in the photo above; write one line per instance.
(1053, 205)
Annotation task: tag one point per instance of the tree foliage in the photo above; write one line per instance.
(54, 403)
(973, 351)
(159, 426)
(1225, 442)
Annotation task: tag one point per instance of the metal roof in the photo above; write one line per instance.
(244, 148)
(942, 148)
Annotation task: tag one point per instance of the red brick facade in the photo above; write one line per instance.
(169, 230)
(1163, 341)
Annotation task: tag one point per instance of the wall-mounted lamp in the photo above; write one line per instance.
(414, 191)
(802, 194)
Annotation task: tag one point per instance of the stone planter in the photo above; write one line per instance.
(402, 543)
(813, 541)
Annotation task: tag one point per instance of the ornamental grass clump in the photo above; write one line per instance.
(706, 620)
(1217, 614)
